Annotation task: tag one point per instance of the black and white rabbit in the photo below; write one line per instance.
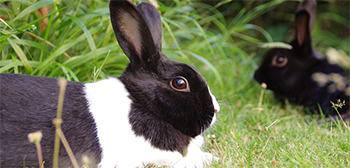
(291, 73)
(154, 113)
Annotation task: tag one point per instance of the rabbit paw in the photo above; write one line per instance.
(208, 158)
(196, 160)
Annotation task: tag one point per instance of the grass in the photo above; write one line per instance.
(222, 40)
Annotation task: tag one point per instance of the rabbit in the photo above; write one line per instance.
(290, 74)
(154, 113)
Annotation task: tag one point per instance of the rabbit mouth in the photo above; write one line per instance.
(215, 106)
(215, 102)
(209, 123)
(213, 120)
(210, 119)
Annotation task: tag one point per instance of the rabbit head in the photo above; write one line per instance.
(160, 89)
(283, 69)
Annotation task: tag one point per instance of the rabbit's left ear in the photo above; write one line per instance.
(133, 34)
(304, 20)
(152, 18)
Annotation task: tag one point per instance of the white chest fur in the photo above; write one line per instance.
(109, 104)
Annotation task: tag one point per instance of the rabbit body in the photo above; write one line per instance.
(154, 113)
(291, 73)
(295, 82)
(28, 104)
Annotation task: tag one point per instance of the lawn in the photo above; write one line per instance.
(223, 40)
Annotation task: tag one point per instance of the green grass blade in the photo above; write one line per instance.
(87, 33)
(211, 66)
(33, 7)
(167, 27)
(261, 30)
(21, 55)
(79, 60)
(42, 18)
(58, 52)
(202, 32)
(10, 65)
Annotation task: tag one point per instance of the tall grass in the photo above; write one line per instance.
(79, 31)
(221, 39)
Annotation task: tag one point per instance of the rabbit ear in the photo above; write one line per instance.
(152, 18)
(304, 21)
(133, 34)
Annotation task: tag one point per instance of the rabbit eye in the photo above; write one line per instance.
(180, 84)
(279, 61)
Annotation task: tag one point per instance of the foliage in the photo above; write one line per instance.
(81, 39)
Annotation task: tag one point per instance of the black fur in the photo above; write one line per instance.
(293, 81)
(160, 110)
(141, 53)
(173, 116)
(153, 22)
(29, 104)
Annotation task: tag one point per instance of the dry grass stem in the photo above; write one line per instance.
(274, 125)
(267, 128)
(35, 138)
(37, 37)
(264, 86)
(277, 45)
(40, 156)
(47, 42)
(62, 83)
(67, 147)
(5, 24)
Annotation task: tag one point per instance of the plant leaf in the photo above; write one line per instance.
(21, 55)
(33, 7)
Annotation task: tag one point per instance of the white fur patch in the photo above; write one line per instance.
(216, 106)
(195, 158)
(215, 102)
(110, 106)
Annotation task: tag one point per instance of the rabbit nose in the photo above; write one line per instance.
(215, 103)
(216, 110)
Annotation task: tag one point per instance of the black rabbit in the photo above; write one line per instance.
(153, 114)
(292, 74)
